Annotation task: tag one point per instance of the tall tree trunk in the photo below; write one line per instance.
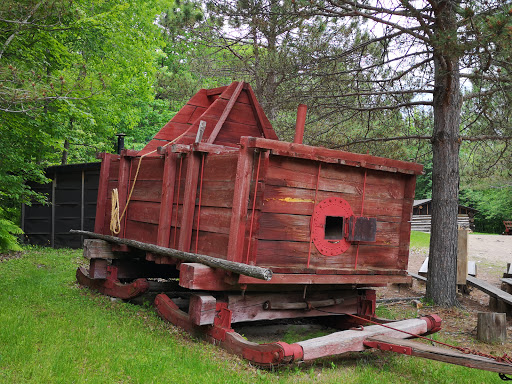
(442, 266)
(64, 158)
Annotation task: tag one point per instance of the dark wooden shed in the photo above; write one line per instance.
(72, 196)
(422, 216)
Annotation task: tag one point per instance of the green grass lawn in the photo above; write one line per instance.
(53, 331)
(420, 239)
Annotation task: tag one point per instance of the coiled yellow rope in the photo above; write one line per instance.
(115, 218)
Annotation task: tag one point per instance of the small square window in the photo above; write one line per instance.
(333, 228)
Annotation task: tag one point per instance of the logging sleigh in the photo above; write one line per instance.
(227, 224)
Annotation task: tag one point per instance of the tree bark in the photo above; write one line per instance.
(442, 268)
(64, 158)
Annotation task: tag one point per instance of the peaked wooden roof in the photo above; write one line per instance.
(230, 112)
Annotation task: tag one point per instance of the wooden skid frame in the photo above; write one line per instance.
(272, 354)
(111, 286)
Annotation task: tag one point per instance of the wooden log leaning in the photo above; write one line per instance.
(240, 268)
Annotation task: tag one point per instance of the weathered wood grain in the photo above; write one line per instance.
(333, 156)
(101, 204)
(239, 268)
(447, 355)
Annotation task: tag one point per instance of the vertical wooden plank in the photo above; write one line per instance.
(253, 243)
(99, 221)
(23, 212)
(405, 226)
(462, 257)
(240, 203)
(122, 187)
(82, 207)
(169, 180)
(189, 201)
(54, 187)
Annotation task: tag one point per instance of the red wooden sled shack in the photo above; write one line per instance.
(227, 224)
(314, 216)
(325, 222)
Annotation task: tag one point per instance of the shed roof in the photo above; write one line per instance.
(426, 201)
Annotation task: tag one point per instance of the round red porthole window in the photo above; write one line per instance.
(329, 220)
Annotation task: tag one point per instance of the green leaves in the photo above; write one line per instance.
(72, 73)
(8, 232)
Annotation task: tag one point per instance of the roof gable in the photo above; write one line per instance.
(230, 112)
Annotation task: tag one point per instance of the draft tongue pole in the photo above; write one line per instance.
(214, 262)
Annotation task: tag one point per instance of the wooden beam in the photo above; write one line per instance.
(417, 277)
(169, 180)
(225, 113)
(240, 204)
(491, 290)
(289, 278)
(189, 201)
(446, 355)
(462, 256)
(101, 213)
(123, 184)
(353, 340)
(332, 156)
(214, 262)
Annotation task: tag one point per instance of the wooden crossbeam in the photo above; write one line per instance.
(446, 355)
(417, 277)
(491, 290)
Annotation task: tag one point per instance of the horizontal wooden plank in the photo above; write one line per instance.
(143, 211)
(171, 130)
(286, 227)
(146, 190)
(446, 355)
(217, 194)
(198, 112)
(328, 279)
(216, 91)
(150, 168)
(213, 219)
(240, 113)
(228, 91)
(144, 232)
(184, 114)
(200, 99)
(295, 254)
(231, 132)
(279, 199)
(210, 244)
(490, 289)
(324, 154)
(249, 306)
(300, 173)
(220, 167)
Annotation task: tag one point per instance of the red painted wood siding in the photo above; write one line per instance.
(288, 202)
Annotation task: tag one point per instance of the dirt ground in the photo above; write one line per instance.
(491, 253)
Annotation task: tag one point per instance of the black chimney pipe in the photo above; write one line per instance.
(120, 142)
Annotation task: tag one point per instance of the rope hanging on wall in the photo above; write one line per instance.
(115, 221)
(115, 218)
